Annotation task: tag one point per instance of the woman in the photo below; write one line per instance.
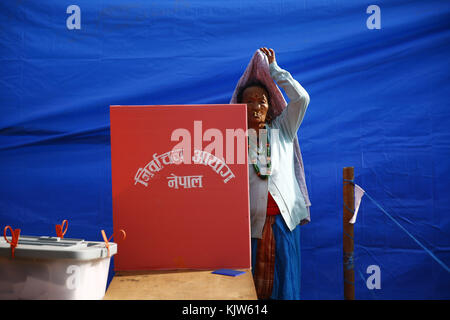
(278, 196)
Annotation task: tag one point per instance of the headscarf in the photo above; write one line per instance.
(258, 69)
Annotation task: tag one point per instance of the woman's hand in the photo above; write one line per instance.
(269, 53)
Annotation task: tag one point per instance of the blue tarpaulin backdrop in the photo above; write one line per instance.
(379, 103)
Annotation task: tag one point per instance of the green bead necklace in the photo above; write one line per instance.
(269, 162)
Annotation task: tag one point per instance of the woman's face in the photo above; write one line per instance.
(257, 100)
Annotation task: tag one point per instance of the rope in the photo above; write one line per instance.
(431, 254)
(348, 261)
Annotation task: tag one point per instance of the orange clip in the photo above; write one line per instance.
(59, 229)
(107, 240)
(14, 238)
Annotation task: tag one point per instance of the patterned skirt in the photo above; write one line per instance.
(276, 262)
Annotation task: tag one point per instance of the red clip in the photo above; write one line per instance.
(14, 238)
(59, 229)
(107, 240)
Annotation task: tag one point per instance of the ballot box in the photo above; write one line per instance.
(180, 187)
(45, 267)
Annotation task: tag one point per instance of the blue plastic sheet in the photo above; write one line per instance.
(379, 103)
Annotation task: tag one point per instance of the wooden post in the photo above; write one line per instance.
(349, 203)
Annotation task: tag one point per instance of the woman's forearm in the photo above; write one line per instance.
(299, 99)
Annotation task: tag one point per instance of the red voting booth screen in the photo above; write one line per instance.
(180, 187)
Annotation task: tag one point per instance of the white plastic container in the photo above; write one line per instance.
(54, 268)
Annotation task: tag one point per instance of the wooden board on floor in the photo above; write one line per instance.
(181, 285)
